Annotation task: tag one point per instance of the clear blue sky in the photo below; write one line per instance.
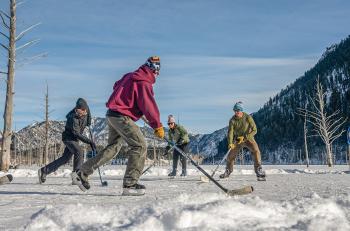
(213, 53)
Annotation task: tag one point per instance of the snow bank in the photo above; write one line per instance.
(192, 171)
(34, 173)
(206, 211)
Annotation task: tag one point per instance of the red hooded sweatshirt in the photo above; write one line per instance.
(133, 96)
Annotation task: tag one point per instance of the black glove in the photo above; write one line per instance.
(180, 142)
(93, 146)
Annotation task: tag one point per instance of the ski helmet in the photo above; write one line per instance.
(153, 63)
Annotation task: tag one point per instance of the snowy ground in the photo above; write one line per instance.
(292, 198)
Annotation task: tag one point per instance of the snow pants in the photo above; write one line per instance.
(121, 128)
(72, 149)
(177, 156)
(252, 146)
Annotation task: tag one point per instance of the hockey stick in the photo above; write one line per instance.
(94, 153)
(223, 159)
(232, 192)
(205, 179)
(154, 163)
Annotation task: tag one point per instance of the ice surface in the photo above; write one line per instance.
(292, 198)
(164, 171)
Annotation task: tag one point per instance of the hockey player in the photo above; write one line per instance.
(77, 120)
(132, 98)
(241, 132)
(179, 136)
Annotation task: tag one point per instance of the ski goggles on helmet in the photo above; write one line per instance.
(153, 63)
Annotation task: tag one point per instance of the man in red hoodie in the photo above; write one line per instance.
(131, 99)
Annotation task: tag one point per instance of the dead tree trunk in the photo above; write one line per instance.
(46, 151)
(6, 145)
(305, 140)
(323, 125)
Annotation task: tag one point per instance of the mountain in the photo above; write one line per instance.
(33, 136)
(207, 144)
(280, 129)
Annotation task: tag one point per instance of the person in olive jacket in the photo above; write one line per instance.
(178, 136)
(241, 132)
(77, 120)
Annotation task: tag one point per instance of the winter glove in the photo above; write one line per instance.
(180, 142)
(240, 139)
(231, 146)
(159, 132)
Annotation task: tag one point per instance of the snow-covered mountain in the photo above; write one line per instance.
(281, 128)
(34, 136)
(207, 145)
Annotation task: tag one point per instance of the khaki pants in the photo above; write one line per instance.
(121, 128)
(252, 146)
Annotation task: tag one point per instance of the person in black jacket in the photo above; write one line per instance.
(77, 120)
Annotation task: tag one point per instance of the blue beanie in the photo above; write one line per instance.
(238, 106)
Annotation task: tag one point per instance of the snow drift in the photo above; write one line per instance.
(208, 211)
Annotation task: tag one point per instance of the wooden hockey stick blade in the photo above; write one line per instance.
(240, 191)
(204, 179)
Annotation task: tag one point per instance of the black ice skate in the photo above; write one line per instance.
(172, 174)
(260, 174)
(184, 173)
(78, 178)
(134, 190)
(41, 176)
(226, 174)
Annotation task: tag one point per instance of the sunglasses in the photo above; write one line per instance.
(170, 123)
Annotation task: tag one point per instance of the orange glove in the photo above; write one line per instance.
(159, 132)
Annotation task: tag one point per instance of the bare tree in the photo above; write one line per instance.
(305, 138)
(327, 127)
(11, 49)
(46, 152)
(8, 22)
(348, 151)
